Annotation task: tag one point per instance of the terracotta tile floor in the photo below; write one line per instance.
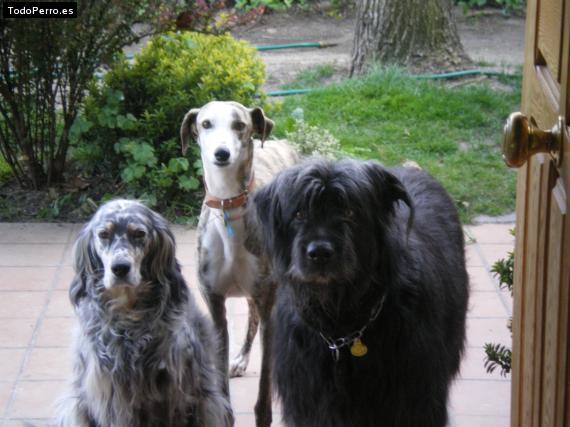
(36, 321)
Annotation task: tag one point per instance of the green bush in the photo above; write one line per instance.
(131, 121)
(5, 171)
(45, 68)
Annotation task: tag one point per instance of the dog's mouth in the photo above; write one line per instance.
(314, 276)
(221, 164)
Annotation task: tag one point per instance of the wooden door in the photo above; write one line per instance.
(541, 326)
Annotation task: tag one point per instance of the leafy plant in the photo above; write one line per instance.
(45, 67)
(312, 140)
(279, 5)
(130, 127)
(498, 355)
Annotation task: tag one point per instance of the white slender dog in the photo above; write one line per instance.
(234, 165)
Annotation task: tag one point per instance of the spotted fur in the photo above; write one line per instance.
(142, 350)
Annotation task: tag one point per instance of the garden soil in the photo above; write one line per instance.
(490, 38)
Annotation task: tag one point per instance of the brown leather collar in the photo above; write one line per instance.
(233, 202)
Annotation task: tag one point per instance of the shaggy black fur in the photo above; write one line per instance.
(342, 236)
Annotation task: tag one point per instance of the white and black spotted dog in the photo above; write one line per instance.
(234, 165)
(143, 351)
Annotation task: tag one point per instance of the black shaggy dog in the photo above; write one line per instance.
(370, 311)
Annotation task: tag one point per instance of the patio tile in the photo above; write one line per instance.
(480, 397)
(493, 253)
(236, 306)
(184, 234)
(481, 331)
(10, 363)
(480, 280)
(16, 332)
(472, 258)
(30, 255)
(59, 305)
(26, 278)
(34, 232)
(482, 421)
(48, 364)
(21, 305)
(64, 278)
(187, 254)
(27, 422)
(56, 332)
(248, 420)
(243, 394)
(36, 399)
(486, 304)
(493, 233)
(5, 392)
(473, 368)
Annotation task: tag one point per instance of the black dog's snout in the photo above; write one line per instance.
(121, 269)
(222, 154)
(320, 251)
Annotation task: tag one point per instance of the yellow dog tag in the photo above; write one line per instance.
(358, 348)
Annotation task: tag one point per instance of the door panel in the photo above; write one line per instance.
(541, 324)
(549, 30)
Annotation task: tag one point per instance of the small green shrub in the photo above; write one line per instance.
(279, 5)
(498, 355)
(5, 171)
(312, 140)
(130, 126)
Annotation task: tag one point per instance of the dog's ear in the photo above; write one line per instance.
(160, 260)
(390, 189)
(86, 263)
(253, 242)
(188, 128)
(262, 219)
(262, 126)
(160, 263)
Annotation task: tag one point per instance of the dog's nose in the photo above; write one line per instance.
(121, 269)
(222, 154)
(320, 251)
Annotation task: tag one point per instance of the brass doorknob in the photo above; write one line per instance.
(521, 140)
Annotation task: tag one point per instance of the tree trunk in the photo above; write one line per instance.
(419, 34)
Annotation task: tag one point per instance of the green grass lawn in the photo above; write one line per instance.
(454, 133)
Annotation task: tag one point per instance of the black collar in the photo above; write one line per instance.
(357, 348)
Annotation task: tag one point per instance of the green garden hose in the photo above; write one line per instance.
(450, 75)
(319, 45)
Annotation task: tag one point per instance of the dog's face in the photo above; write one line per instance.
(121, 241)
(123, 246)
(323, 223)
(223, 131)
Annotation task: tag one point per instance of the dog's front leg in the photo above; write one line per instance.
(217, 306)
(263, 412)
(240, 362)
(71, 413)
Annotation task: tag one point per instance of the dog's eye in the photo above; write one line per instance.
(103, 234)
(139, 234)
(206, 124)
(299, 215)
(239, 126)
(349, 213)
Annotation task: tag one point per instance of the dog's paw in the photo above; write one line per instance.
(239, 365)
